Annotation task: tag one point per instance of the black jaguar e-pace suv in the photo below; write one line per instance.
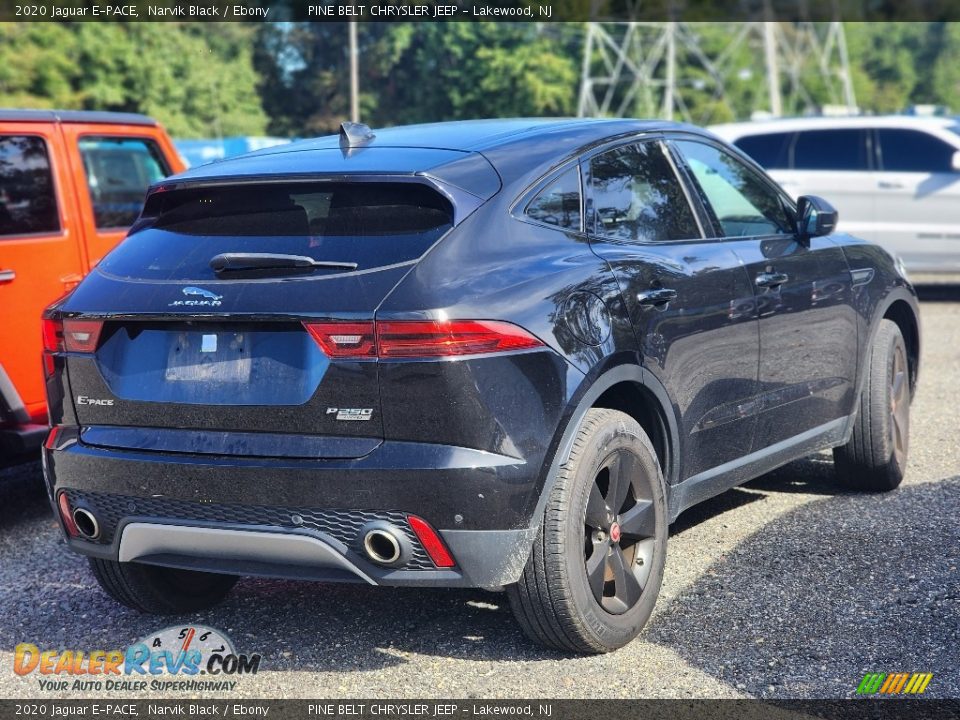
(503, 354)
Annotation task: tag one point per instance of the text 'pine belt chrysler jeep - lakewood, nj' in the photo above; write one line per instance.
(499, 354)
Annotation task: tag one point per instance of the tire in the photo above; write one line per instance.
(159, 590)
(875, 458)
(583, 589)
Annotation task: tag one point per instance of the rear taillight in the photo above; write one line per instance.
(81, 335)
(71, 335)
(431, 542)
(419, 338)
(52, 343)
(344, 339)
(453, 337)
(59, 336)
(52, 335)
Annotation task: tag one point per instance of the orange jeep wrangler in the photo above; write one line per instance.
(71, 183)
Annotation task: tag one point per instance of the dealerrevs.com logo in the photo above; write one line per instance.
(201, 658)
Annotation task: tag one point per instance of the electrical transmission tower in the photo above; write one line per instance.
(667, 70)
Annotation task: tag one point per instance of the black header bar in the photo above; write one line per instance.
(476, 10)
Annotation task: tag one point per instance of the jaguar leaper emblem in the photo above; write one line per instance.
(201, 293)
(206, 298)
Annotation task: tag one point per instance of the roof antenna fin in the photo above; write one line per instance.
(354, 134)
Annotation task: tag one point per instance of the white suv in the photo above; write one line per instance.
(894, 179)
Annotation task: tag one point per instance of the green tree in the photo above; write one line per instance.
(197, 79)
(415, 72)
(946, 72)
(884, 60)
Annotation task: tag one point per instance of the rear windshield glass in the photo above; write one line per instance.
(370, 224)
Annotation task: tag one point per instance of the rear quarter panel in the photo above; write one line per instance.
(497, 267)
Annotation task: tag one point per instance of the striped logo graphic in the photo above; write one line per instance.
(894, 683)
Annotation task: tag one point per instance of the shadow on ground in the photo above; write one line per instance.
(841, 586)
(22, 494)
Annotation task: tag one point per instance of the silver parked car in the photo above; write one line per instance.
(894, 179)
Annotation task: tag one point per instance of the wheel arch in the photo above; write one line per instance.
(903, 314)
(630, 388)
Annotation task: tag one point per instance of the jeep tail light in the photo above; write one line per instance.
(431, 542)
(344, 339)
(449, 338)
(419, 338)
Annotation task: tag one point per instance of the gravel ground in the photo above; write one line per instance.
(787, 587)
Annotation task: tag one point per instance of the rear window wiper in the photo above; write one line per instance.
(269, 263)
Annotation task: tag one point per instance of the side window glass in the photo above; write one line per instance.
(28, 201)
(831, 150)
(769, 149)
(742, 203)
(914, 151)
(636, 196)
(119, 171)
(559, 202)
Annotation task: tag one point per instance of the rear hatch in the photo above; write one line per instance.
(238, 319)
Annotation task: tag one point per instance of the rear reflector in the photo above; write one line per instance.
(67, 516)
(419, 338)
(51, 440)
(431, 542)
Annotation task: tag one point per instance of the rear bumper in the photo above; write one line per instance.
(303, 518)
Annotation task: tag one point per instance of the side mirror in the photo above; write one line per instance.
(955, 161)
(815, 217)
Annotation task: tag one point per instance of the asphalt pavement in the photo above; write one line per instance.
(788, 587)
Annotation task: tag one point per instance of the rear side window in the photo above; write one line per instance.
(28, 201)
(831, 150)
(770, 150)
(558, 203)
(636, 196)
(371, 224)
(914, 151)
(119, 171)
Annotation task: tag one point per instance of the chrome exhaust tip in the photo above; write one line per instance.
(87, 523)
(385, 544)
(381, 547)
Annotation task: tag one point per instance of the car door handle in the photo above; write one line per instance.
(888, 185)
(658, 296)
(771, 279)
(7, 276)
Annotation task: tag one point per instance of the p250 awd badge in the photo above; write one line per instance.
(351, 413)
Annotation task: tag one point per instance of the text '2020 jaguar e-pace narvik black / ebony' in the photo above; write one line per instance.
(501, 354)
